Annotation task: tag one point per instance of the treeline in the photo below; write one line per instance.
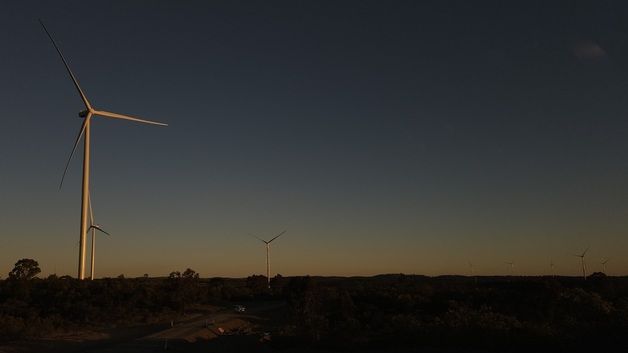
(32, 307)
(382, 312)
(453, 313)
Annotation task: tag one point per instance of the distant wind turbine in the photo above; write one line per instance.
(268, 254)
(512, 267)
(472, 273)
(87, 115)
(583, 263)
(93, 227)
(552, 266)
(604, 265)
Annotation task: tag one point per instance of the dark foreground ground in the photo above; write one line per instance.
(207, 328)
(388, 313)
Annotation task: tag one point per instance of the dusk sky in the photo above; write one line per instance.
(385, 137)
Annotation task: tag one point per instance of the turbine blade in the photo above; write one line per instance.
(126, 117)
(258, 238)
(91, 212)
(277, 236)
(102, 230)
(76, 84)
(78, 139)
(98, 228)
(585, 252)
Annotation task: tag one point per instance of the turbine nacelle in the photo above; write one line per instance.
(83, 113)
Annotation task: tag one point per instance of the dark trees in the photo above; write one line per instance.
(183, 288)
(25, 269)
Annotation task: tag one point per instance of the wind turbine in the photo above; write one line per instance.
(583, 263)
(604, 265)
(87, 115)
(512, 267)
(268, 254)
(552, 268)
(93, 227)
(475, 278)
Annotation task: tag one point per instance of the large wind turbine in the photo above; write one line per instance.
(87, 115)
(583, 263)
(93, 227)
(268, 254)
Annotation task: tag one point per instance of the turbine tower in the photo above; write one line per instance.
(583, 263)
(604, 265)
(87, 115)
(268, 254)
(512, 267)
(93, 227)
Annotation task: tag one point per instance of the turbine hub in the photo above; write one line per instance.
(83, 113)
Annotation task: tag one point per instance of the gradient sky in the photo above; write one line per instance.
(385, 137)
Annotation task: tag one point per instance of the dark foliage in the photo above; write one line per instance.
(32, 307)
(183, 289)
(497, 314)
(25, 269)
(390, 312)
